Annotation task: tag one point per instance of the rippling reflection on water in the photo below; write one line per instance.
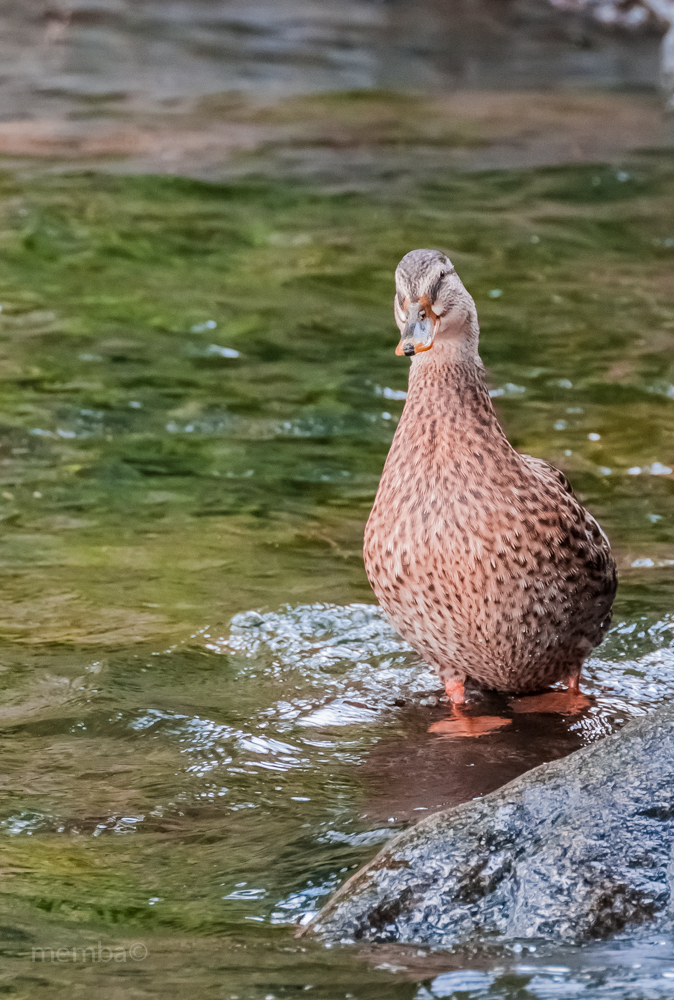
(641, 972)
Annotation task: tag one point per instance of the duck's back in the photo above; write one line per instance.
(483, 558)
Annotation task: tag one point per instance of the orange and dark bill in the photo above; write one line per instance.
(419, 328)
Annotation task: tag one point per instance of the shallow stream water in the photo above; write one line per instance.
(206, 724)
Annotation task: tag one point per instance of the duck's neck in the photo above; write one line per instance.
(446, 383)
(449, 431)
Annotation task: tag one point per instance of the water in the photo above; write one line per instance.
(206, 724)
(218, 89)
(150, 52)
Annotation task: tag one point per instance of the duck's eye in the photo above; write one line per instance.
(442, 274)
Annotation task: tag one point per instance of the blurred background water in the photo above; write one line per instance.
(187, 87)
(167, 51)
(206, 723)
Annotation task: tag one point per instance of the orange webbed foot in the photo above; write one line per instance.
(572, 701)
(462, 725)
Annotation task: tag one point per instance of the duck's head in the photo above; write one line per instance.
(431, 302)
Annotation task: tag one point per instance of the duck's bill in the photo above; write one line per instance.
(416, 337)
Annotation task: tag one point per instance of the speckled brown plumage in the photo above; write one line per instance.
(482, 558)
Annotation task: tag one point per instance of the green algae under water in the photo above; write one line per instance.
(198, 392)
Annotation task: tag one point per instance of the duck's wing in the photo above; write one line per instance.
(594, 549)
(553, 475)
(558, 480)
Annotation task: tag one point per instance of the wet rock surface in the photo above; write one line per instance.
(575, 850)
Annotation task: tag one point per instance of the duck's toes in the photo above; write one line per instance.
(468, 725)
(567, 702)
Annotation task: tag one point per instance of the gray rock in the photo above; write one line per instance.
(574, 850)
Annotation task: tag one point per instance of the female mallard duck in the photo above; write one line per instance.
(483, 559)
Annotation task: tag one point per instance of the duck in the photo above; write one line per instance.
(482, 558)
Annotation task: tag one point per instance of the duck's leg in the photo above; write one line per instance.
(455, 691)
(574, 682)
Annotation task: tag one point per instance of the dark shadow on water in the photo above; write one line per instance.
(419, 772)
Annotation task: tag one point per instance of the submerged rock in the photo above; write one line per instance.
(573, 850)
